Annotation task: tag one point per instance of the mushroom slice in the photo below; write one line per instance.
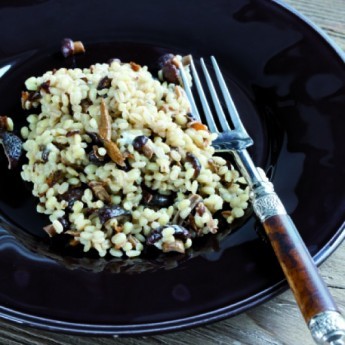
(192, 159)
(176, 246)
(105, 133)
(95, 157)
(99, 191)
(105, 122)
(71, 196)
(13, 148)
(155, 199)
(5, 123)
(50, 230)
(108, 212)
(70, 47)
(194, 199)
(198, 126)
(180, 233)
(114, 153)
(104, 83)
(141, 144)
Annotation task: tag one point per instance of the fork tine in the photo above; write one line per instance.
(235, 118)
(186, 87)
(221, 116)
(208, 114)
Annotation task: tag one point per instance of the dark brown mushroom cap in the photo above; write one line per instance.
(180, 233)
(67, 47)
(155, 199)
(162, 60)
(108, 212)
(141, 144)
(71, 196)
(12, 145)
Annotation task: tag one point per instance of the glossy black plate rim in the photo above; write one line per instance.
(166, 326)
(191, 321)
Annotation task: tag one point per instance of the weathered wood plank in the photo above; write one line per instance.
(277, 322)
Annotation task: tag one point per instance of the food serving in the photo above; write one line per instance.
(118, 163)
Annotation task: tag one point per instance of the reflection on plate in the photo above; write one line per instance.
(291, 104)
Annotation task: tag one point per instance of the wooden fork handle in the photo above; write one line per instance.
(312, 295)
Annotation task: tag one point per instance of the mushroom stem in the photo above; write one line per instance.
(78, 47)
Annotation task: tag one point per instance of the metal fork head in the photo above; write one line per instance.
(229, 139)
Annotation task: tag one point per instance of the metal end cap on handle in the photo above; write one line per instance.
(328, 328)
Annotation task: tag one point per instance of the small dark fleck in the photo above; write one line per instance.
(104, 83)
(85, 103)
(71, 133)
(45, 154)
(96, 139)
(54, 178)
(34, 96)
(45, 86)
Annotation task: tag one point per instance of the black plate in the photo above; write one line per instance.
(288, 82)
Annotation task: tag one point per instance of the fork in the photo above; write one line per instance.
(326, 324)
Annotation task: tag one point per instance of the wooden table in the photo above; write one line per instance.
(276, 322)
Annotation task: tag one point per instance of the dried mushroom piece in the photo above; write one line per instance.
(180, 233)
(50, 230)
(194, 199)
(12, 145)
(6, 123)
(170, 64)
(70, 47)
(105, 122)
(54, 178)
(71, 196)
(104, 83)
(30, 99)
(196, 206)
(114, 153)
(198, 126)
(155, 199)
(105, 134)
(142, 145)
(98, 189)
(169, 68)
(194, 161)
(109, 212)
(176, 246)
(135, 67)
(95, 157)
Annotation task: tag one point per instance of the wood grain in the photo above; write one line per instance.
(277, 322)
(309, 289)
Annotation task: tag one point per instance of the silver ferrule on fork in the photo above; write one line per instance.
(328, 328)
(266, 202)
